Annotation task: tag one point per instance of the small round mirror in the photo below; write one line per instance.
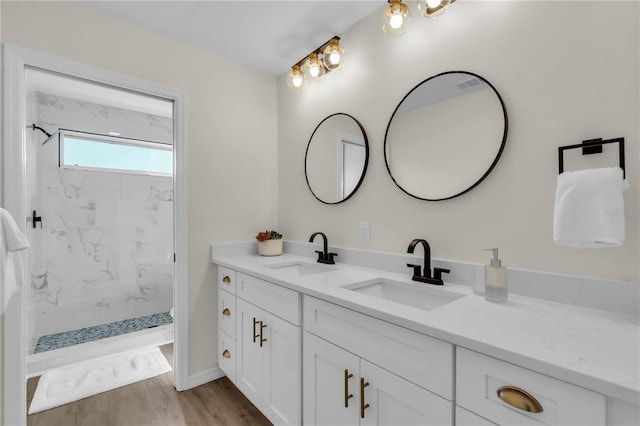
(336, 159)
(445, 136)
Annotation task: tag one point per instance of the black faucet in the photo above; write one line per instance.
(323, 256)
(426, 278)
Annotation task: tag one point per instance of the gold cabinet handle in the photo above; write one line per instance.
(226, 312)
(262, 326)
(226, 353)
(255, 336)
(226, 279)
(347, 395)
(363, 406)
(519, 399)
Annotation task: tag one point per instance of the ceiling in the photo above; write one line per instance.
(269, 36)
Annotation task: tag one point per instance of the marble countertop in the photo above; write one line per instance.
(594, 349)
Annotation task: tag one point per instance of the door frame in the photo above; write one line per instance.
(15, 60)
(342, 139)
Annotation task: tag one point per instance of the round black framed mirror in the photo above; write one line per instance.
(336, 158)
(445, 136)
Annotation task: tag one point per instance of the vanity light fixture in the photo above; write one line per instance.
(433, 8)
(396, 18)
(318, 63)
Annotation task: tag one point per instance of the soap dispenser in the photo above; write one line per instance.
(495, 280)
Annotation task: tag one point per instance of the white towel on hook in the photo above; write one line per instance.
(589, 208)
(12, 241)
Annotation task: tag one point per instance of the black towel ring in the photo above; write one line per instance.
(592, 146)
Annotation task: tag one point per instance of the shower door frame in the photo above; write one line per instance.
(15, 62)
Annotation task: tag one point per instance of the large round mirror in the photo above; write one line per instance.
(445, 136)
(336, 158)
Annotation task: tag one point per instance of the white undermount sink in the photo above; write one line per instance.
(421, 296)
(301, 268)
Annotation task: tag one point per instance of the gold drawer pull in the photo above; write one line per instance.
(363, 406)
(226, 353)
(520, 399)
(226, 279)
(226, 312)
(347, 395)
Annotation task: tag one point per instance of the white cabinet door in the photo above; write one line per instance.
(249, 353)
(281, 366)
(391, 400)
(330, 376)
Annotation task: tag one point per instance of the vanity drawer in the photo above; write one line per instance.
(273, 298)
(418, 358)
(227, 355)
(478, 378)
(227, 313)
(227, 279)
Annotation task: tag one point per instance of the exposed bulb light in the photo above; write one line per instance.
(332, 54)
(396, 21)
(433, 8)
(296, 78)
(396, 18)
(323, 60)
(315, 66)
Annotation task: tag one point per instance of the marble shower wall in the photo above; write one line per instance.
(104, 252)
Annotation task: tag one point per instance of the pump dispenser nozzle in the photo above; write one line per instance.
(495, 262)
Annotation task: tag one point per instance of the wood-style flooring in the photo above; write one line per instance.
(154, 402)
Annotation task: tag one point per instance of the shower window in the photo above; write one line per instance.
(116, 154)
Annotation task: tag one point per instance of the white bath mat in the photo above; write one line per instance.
(73, 382)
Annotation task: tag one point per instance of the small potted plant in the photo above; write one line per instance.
(269, 243)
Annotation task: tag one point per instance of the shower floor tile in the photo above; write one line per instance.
(97, 332)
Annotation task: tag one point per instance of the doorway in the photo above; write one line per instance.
(110, 268)
(99, 176)
(352, 157)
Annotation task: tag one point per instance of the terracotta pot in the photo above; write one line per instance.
(270, 248)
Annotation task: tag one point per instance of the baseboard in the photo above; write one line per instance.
(203, 377)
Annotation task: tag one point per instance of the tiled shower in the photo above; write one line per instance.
(103, 253)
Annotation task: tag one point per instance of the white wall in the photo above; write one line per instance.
(231, 131)
(567, 71)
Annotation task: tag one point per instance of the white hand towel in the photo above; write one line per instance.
(11, 273)
(589, 208)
